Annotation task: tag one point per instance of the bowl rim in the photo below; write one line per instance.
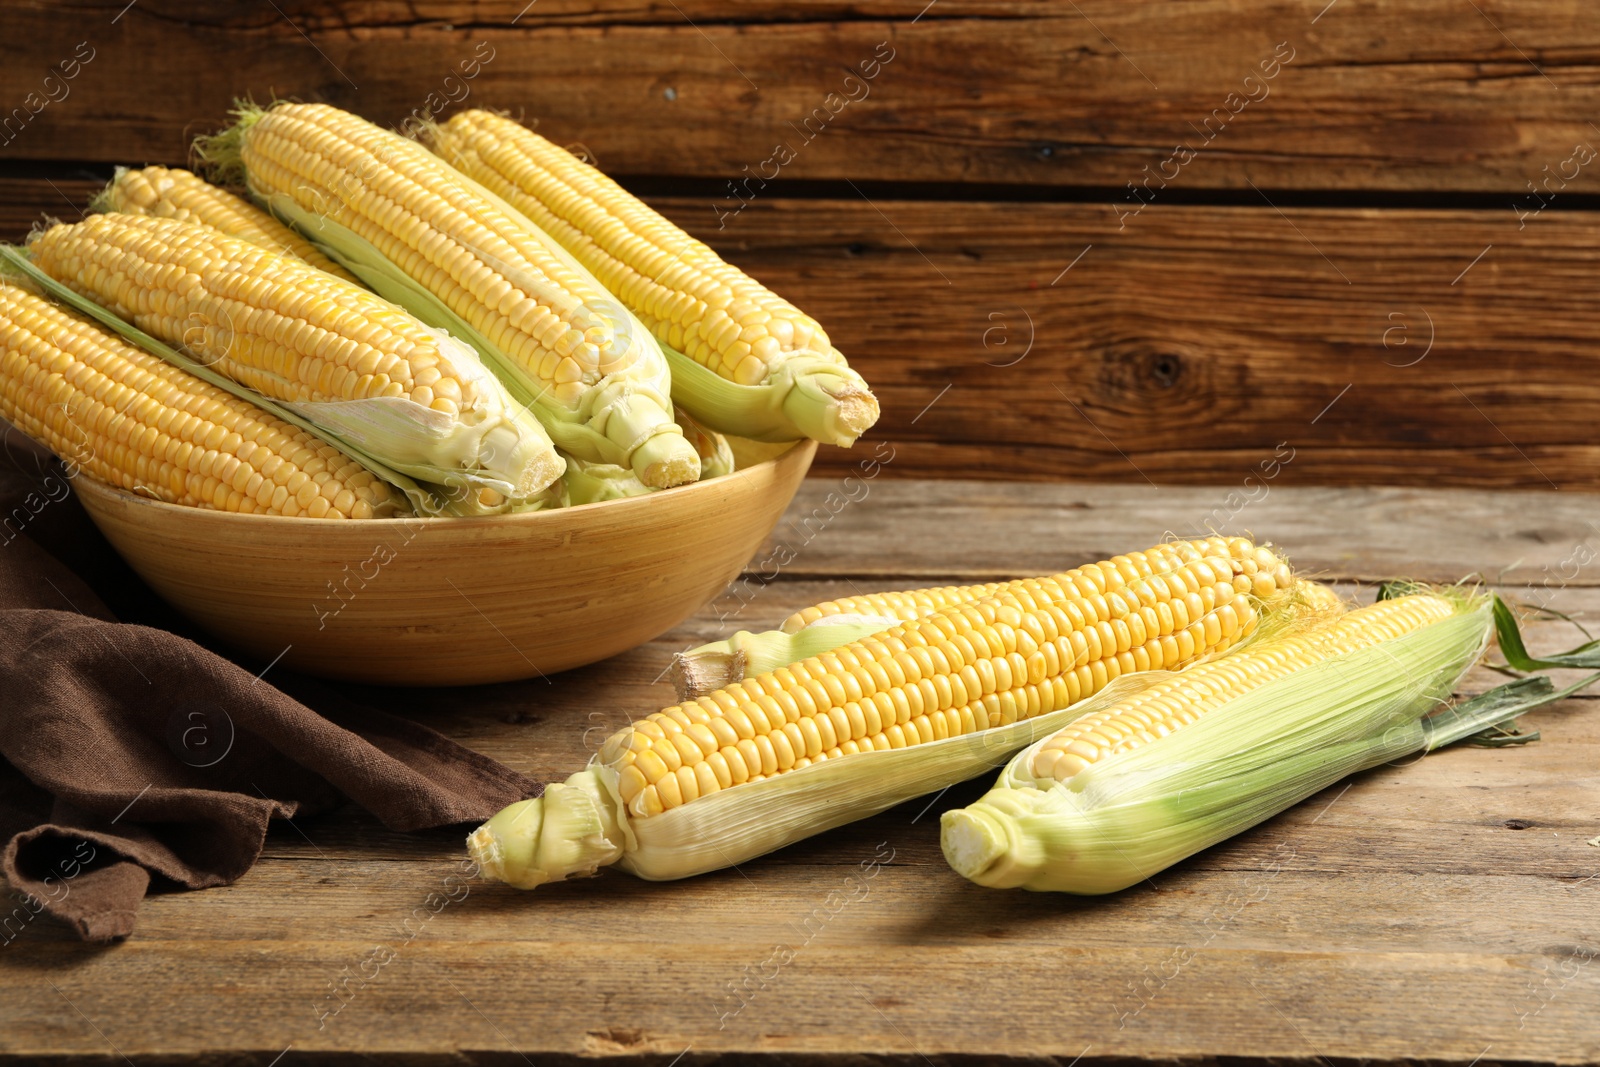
(90, 486)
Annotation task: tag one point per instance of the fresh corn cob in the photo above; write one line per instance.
(171, 193)
(823, 627)
(335, 354)
(436, 242)
(132, 420)
(903, 605)
(843, 735)
(1163, 766)
(744, 360)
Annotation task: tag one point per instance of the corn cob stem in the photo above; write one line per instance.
(590, 483)
(808, 395)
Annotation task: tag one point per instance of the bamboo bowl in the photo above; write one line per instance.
(453, 601)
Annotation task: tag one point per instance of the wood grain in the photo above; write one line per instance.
(1542, 539)
(1377, 95)
(1196, 345)
(1308, 939)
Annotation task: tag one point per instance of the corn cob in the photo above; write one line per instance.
(132, 420)
(812, 745)
(337, 355)
(1165, 766)
(903, 605)
(171, 193)
(423, 235)
(823, 627)
(744, 360)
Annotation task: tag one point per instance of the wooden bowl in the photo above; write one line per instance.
(452, 601)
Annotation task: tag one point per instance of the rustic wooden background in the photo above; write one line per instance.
(1380, 254)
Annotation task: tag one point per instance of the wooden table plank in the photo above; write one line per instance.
(1442, 911)
(1201, 345)
(1373, 95)
(975, 530)
(1001, 999)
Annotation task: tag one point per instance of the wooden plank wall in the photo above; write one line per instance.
(1165, 240)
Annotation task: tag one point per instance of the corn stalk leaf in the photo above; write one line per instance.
(1584, 657)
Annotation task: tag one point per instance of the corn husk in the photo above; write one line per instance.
(716, 454)
(589, 483)
(809, 394)
(1128, 816)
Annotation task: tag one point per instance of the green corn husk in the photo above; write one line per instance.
(721, 663)
(1132, 814)
(624, 419)
(590, 483)
(807, 395)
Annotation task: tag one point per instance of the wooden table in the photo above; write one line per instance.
(1447, 911)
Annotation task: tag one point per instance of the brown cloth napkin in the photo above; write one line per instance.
(132, 753)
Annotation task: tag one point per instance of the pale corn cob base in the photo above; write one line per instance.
(719, 664)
